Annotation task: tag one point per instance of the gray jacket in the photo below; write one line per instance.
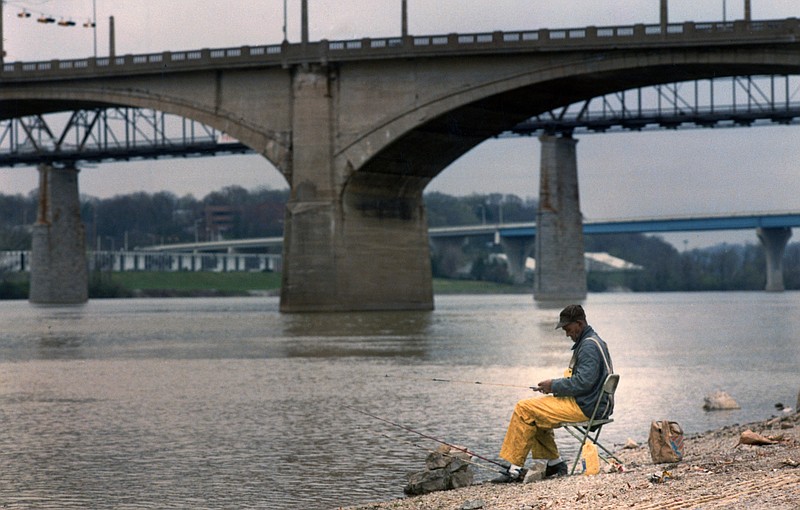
(589, 372)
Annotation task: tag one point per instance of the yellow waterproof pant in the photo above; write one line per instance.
(531, 427)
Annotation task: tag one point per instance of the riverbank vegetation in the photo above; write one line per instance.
(140, 219)
(196, 284)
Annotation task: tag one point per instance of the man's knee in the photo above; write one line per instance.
(527, 410)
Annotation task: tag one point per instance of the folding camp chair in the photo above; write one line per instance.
(583, 430)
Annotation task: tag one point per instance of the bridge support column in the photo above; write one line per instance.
(774, 241)
(351, 241)
(449, 254)
(59, 273)
(337, 258)
(517, 250)
(560, 266)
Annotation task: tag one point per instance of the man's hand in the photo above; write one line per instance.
(546, 386)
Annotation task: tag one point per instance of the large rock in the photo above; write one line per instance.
(535, 473)
(445, 469)
(720, 401)
(423, 482)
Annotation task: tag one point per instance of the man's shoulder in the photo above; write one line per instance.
(589, 334)
(592, 341)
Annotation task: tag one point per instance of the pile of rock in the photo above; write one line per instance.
(446, 468)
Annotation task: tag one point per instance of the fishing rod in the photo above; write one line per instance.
(534, 388)
(426, 436)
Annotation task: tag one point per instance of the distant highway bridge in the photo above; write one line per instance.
(517, 239)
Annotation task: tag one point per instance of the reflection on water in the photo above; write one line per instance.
(226, 403)
(369, 334)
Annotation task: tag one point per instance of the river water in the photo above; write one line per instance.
(226, 403)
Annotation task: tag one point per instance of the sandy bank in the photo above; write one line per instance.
(716, 472)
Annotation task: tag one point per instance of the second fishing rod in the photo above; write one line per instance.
(462, 381)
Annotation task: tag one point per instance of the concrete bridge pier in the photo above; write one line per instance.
(774, 241)
(352, 240)
(449, 252)
(560, 266)
(517, 250)
(59, 273)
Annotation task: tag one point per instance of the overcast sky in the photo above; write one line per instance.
(621, 175)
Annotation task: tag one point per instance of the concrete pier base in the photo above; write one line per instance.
(449, 254)
(560, 266)
(59, 273)
(774, 241)
(349, 260)
(517, 250)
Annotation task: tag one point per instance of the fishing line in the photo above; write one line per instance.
(426, 436)
(534, 388)
(428, 450)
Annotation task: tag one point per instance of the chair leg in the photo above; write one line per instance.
(586, 431)
(608, 452)
(577, 458)
(596, 442)
(585, 434)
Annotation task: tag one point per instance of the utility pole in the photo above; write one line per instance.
(663, 16)
(2, 51)
(285, 37)
(112, 46)
(304, 21)
(94, 25)
(404, 19)
(747, 13)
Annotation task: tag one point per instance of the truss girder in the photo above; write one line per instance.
(721, 102)
(109, 134)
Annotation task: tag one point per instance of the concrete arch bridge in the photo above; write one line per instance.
(359, 128)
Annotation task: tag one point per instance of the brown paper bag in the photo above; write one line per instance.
(665, 441)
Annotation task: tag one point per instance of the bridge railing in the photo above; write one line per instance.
(735, 32)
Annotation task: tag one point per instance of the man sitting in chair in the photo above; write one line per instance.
(573, 400)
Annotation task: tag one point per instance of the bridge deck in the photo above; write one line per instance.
(642, 225)
(528, 229)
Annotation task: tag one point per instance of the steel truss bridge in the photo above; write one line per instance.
(123, 133)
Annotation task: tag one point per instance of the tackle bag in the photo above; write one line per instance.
(665, 441)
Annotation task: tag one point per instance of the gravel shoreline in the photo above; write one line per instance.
(716, 472)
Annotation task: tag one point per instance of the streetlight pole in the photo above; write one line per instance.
(94, 25)
(404, 19)
(304, 21)
(2, 51)
(285, 37)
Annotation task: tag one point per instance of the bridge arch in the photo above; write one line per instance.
(275, 146)
(484, 110)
